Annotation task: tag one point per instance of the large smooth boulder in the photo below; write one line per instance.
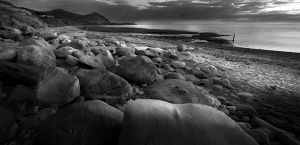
(97, 82)
(179, 92)
(7, 54)
(84, 123)
(139, 70)
(8, 126)
(56, 86)
(160, 123)
(36, 52)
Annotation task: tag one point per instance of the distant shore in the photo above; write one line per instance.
(213, 39)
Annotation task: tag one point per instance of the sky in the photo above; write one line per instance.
(175, 10)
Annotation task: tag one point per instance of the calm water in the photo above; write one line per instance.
(269, 36)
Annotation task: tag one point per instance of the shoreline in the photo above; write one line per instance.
(177, 32)
(266, 81)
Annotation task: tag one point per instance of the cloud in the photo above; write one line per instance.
(142, 10)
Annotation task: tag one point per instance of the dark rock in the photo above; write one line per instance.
(92, 61)
(160, 123)
(259, 136)
(7, 54)
(192, 78)
(125, 51)
(173, 75)
(21, 93)
(63, 52)
(71, 60)
(79, 44)
(150, 53)
(36, 52)
(179, 92)
(157, 60)
(88, 123)
(247, 110)
(178, 64)
(56, 86)
(19, 73)
(97, 82)
(181, 47)
(139, 70)
(199, 74)
(171, 55)
(8, 124)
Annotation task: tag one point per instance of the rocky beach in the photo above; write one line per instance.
(96, 85)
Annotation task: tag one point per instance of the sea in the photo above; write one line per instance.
(278, 36)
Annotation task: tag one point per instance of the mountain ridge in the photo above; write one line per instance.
(17, 17)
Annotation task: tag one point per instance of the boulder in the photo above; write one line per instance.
(208, 69)
(108, 63)
(125, 51)
(11, 33)
(84, 123)
(71, 60)
(173, 75)
(178, 64)
(260, 136)
(199, 74)
(8, 124)
(179, 92)
(148, 52)
(92, 61)
(47, 35)
(139, 70)
(79, 44)
(21, 93)
(283, 136)
(56, 86)
(192, 78)
(97, 82)
(64, 39)
(7, 54)
(181, 47)
(247, 110)
(63, 52)
(245, 96)
(160, 123)
(36, 52)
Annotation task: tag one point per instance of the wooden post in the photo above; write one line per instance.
(233, 38)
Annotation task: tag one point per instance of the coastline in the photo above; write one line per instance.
(271, 77)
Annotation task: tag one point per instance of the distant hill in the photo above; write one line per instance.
(60, 17)
(17, 17)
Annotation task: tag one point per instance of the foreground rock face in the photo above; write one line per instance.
(36, 52)
(101, 82)
(179, 92)
(88, 123)
(139, 70)
(56, 86)
(8, 126)
(161, 123)
(7, 54)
